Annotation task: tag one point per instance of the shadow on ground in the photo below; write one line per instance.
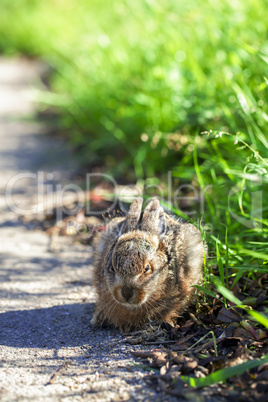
(52, 328)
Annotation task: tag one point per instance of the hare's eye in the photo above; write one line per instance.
(111, 268)
(147, 269)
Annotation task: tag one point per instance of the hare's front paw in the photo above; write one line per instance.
(94, 320)
(97, 318)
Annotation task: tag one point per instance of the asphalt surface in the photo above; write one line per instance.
(48, 349)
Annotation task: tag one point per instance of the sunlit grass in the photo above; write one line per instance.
(139, 80)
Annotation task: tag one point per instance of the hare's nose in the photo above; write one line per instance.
(127, 293)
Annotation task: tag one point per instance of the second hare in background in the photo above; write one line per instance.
(145, 266)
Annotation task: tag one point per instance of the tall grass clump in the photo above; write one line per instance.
(134, 81)
(135, 85)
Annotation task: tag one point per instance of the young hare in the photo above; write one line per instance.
(145, 266)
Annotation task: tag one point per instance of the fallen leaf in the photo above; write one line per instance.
(246, 325)
(229, 315)
(243, 333)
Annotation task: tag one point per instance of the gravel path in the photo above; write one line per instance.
(48, 349)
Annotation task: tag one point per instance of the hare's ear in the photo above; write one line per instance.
(133, 216)
(153, 219)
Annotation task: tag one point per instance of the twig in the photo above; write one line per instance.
(158, 342)
(59, 369)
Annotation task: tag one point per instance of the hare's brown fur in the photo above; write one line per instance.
(145, 266)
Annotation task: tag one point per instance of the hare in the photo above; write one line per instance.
(145, 266)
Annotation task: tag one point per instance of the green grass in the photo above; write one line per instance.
(135, 84)
(135, 81)
(223, 374)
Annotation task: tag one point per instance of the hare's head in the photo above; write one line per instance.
(136, 263)
(133, 271)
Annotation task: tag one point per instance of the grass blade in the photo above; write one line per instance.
(226, 257)
(261, 318)
(224, 374)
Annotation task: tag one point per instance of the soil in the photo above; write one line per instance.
(49, 350)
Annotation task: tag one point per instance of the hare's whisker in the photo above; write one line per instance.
(111, 311)
(156, 313)
(156, 303)
(107, 304)
(107, 312)
(147, 310)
